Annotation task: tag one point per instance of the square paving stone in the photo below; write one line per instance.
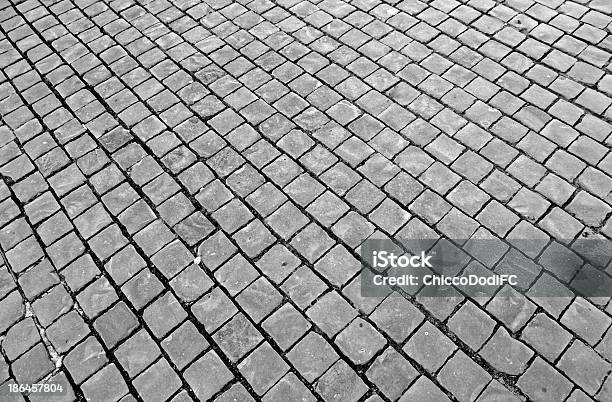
(471, 325)
(429, 347)
(213, 309)
(158, 381)
(359, 341)
(262, 368)
(259, 299)
(303, 287)
(136, 353)
(392, 373)
(215, 250)
(96, 297)
(116, 324)
(511, 307)
(207, 375)
(287, 220)
(542, 381)
(184, 344)
(68, 330)
(331, 313)
(463, 377)
(397, 317)
(19, 338)
(85, 359)
(286, 325)
(341, 382)
(172, 259)
(312, 242)
(546, 336)
(254, 238)
(238, 337)
(191, 283)
(312, 356)
(586, 320)
(506, 354)
(105, 384)
(163, 315)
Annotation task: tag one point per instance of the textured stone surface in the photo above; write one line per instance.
(184, 188)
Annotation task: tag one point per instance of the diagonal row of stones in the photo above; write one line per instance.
(233, 217)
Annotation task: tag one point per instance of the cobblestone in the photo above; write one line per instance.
(463, 377)
(185, 187)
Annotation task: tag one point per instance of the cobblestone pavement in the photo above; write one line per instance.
(185, 186)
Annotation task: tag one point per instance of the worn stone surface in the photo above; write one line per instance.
(185, 186)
